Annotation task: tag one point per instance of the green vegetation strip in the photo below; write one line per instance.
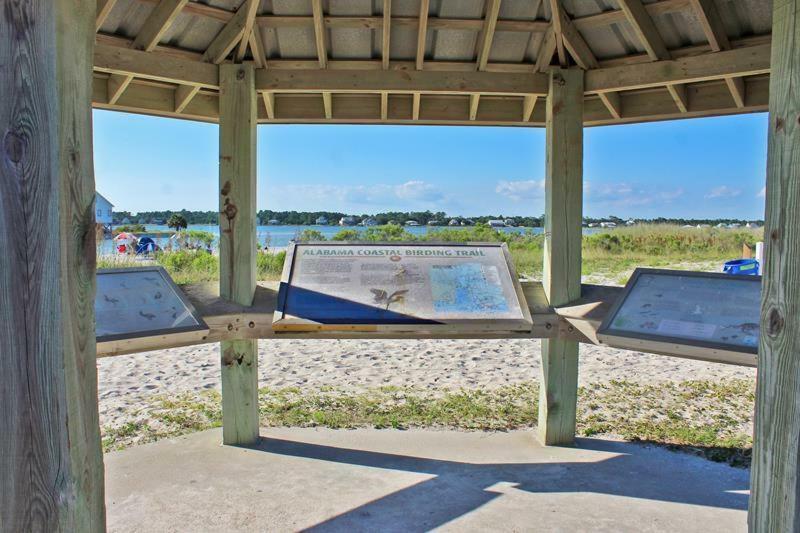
(712, 419)
(608, 256)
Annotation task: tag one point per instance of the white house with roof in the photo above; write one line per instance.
(104, 210)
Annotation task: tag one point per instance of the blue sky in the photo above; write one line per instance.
(701, 168)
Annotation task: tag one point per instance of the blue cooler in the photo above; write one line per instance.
(741, 267)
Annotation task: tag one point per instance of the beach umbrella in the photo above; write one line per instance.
(125, 236)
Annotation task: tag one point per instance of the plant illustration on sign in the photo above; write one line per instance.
(382, 297)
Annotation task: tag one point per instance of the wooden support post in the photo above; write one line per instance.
(562, 250)
(775, 479)
(51, 463)
(237, 249)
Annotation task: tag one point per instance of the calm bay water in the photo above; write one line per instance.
(280, 236)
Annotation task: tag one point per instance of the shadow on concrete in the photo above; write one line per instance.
(460, 487)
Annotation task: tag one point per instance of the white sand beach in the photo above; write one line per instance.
(128, 380)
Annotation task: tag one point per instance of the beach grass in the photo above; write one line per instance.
(708, 418)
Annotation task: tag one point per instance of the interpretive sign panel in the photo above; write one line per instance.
(400, 287)
(141, 302)
(708, 312)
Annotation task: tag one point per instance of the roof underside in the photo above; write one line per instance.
(441, 62)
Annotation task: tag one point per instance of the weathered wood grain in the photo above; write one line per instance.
(237, 251)
(51, 468)
(775, 494)
(562, 249)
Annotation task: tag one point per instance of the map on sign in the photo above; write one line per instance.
(140, 302)
(706, 310)
(395, 284)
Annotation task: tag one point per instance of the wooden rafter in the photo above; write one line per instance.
(707, 14)
(184, 95)
(558, 31)
(613, 103)
(415, 102)
(327, 104)
(582, 23)
(252, 7)
(387, 33)
(422, 32)
(573, 40)
(384, 105)
(319, 33)
(227, 39)
(645, 29)
(104, 8)
(117, 83)
(257, 48)
(680, 95)
(546, 51)
(489, 25)
(157, 23)
(528, 103)
(269, 103)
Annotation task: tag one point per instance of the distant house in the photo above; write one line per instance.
(348, 221)
(434, 223)
(126, 221)
(497, 223)
(630, 222)
(510, 223)
(412, 223)
(104, 210)
(322, 221)
(453, 222)
(608, 224)
(369, 222)
(273, 222)
(752, 225)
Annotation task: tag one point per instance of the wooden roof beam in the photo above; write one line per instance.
(558, 31)
(104, 8)
(738, 62)
(157, 23)
(415, 103)
(233, 32)
(252, 7)
(679, 93)
(319, 33)
(573, 40)
(117, 83)
(269, 104)
(645, 29)
(489, 25)
(546, 51)
(613, 103)
(387, 33)
(707, 15)
(422, 33)
(184, 95)
(528, 103)
(257, 48)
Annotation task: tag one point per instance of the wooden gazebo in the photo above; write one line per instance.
(558, 64)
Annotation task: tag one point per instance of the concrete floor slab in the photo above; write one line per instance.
(387, 480)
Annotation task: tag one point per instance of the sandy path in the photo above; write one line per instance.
(126, 380)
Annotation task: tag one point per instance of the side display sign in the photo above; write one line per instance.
(400, 287)
(134, 303)
(694, 314)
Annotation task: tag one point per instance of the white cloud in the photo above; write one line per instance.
(418, 190)
(619, 195)
(521, 190)
(762, 193)
(723, 191)
(414, 192)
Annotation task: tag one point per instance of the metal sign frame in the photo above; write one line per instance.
(285, 322)
(684, 347)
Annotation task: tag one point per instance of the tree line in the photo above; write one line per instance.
(309, 218)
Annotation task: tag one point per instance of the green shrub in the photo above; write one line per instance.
(348, 234)
(310, 235)
(130, 228)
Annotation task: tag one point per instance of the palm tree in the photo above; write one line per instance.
(178, 222)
